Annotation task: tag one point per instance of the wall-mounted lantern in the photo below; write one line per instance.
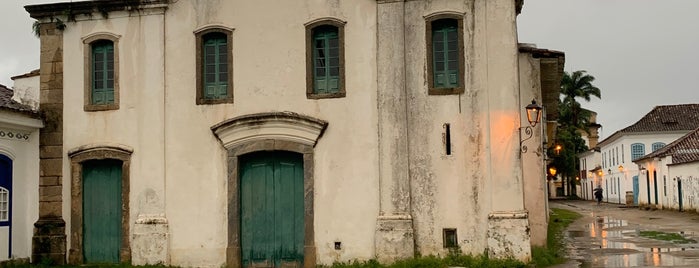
(621, 168)
(533, 116)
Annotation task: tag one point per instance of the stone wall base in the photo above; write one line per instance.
(394, 238)
(508, 235)
(49, 241)
(150, 240)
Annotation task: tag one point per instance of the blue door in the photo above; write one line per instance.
(6, 198)
(635, 190)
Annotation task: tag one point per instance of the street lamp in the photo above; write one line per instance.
(533, 116)
(621, 168)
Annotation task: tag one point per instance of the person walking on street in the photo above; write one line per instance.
(598, 194)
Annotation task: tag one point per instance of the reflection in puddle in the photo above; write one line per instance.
(615, 244)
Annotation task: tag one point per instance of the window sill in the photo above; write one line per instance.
(214, 101)
(445, 91)
(101, 107)
(315, 96)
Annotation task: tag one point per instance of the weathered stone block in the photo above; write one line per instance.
(50, 193)
(394, 238)
(51, 94)
(50, 167)
(51, 151)
(50, 138)
(50, 209)
(150, 240)
(49, 181)
(508, 235)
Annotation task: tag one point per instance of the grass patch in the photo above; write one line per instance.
(554, 252)
(672, 237)
(454, 259)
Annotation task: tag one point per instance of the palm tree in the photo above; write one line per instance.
(577, 85)
(572, 118)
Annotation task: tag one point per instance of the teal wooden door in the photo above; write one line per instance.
(272, 210)
(102, 211)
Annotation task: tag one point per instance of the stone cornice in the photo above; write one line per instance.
(285, 126)
(90, 7)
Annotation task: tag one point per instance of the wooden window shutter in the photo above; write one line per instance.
(215, 67)
(326, 60)
(102, 72)
(445, 52)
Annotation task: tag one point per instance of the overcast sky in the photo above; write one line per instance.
(643, 52)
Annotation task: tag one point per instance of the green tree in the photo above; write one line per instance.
(573, 119)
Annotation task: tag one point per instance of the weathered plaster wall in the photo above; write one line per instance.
(138, 123)
(26, 91)
(688, 173)
(483, 173)
(25, 181)
(178, 166)
(269, 75)
(534, 170)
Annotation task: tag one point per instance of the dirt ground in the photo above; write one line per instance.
(608, 236)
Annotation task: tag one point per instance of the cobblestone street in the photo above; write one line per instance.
(607, 235)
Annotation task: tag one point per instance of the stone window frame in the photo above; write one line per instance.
(199, 39)
(340, 25)
(98, 152)
(87, 66)
(277, 131)
(459, 17)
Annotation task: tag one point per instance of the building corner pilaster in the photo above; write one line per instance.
(49, 239)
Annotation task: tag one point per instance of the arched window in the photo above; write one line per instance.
(637, 150)
(214, 65)
(657, 145)
(325, 59)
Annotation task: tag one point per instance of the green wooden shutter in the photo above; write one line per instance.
(326, 60)
(445, 57)
(215, 66)
(103, 73)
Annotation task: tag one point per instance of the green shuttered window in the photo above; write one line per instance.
(445, 53)
(102, 72)
(215, 66)
(326, 60)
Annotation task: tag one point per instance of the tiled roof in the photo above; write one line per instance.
(663, 118)
(6, 102)
(682, 150)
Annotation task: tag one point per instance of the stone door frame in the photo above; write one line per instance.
(279, 131)
(77, 157)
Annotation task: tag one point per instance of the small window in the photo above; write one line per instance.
(449, 237)
(657, 145)
(445, 55)
(214, 66)
(101, 72)
(4, 205)
(325, 59)
(637, 151)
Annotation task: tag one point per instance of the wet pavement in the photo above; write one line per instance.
(608, 236)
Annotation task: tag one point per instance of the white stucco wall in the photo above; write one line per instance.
(688, 174)
(179, 168)
(619, 181)
(25, 181)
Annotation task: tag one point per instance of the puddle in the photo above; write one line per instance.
(608, 242)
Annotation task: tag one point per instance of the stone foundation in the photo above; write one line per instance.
(150, 240)
(395, 238)
(508, 235)
(49, 241)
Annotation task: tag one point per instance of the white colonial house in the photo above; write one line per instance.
(672, 175)
(287, 133)
(617, 172)
(19, 167)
